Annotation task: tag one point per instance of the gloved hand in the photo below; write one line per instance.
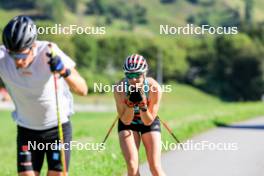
(56, 64)
(129, 100)
(143, 104)
(137, 97)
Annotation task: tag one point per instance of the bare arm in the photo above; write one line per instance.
(76, 82)
(125, 113)
(152, 111)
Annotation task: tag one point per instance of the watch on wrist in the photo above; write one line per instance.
(67, 73)
(144, 108)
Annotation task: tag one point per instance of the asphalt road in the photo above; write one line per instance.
(234, 150)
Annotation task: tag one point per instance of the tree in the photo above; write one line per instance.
(21, 4)
(238, 68)
(72, 4)
(167, 1)
(52, 9)
(96, 7)
(131, 13)
(86, 52)
(193, 1)
(249, 5)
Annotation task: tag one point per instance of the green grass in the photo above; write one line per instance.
(188, 112)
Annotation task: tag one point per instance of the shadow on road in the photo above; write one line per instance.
(224, 125)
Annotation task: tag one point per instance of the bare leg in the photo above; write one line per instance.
(28, 173)
(129, 143)
(152, 143)
(55, 173)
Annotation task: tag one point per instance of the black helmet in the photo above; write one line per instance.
(20, 33)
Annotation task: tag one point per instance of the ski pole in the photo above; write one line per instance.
(171, 132)
(60, 130)
(110, 129)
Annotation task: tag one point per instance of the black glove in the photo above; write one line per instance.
(134, 96)
(56, 64)
(137, 95)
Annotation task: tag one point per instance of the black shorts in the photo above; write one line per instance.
(31, 148)
(141, 128)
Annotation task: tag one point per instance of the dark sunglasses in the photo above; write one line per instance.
(18, 56)
(133, 75)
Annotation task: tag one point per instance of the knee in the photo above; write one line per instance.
(132, 167)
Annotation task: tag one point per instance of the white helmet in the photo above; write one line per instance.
(135, 63)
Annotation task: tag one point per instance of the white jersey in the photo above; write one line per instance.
(32, 89)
